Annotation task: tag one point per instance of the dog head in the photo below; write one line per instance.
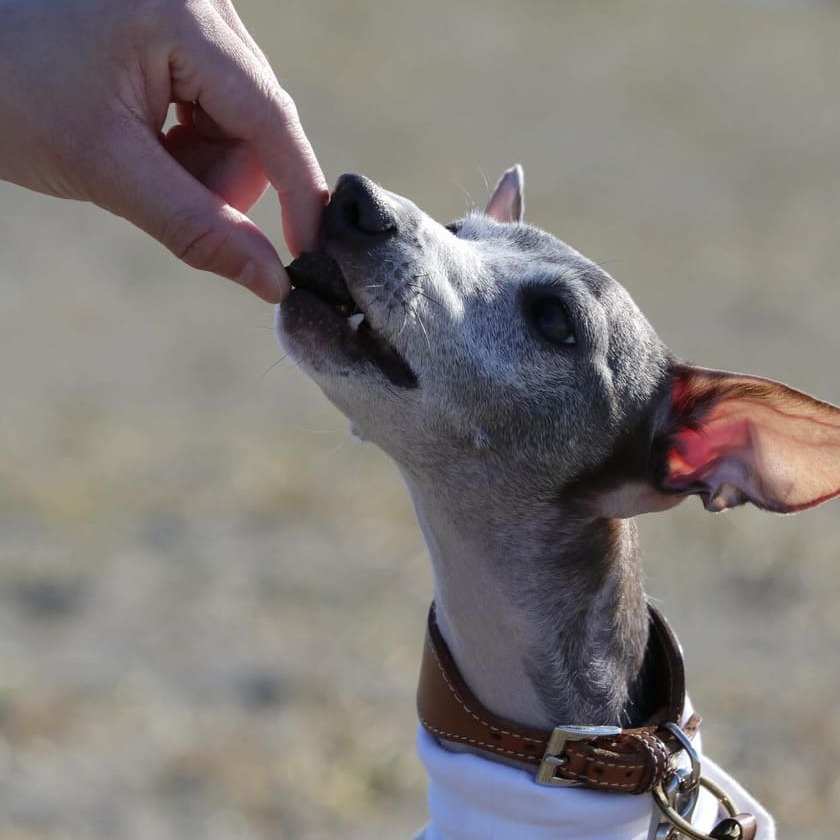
(489, 348)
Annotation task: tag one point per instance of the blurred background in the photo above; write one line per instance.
(212, 601)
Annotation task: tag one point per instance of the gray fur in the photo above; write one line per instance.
(539, 594)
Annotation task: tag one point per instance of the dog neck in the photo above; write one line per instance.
(543, 610)
(544, 613)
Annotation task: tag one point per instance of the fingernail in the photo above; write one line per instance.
(270, 282)
(280, 281)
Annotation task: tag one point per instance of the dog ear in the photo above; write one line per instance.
(731, 439)
(507, 204)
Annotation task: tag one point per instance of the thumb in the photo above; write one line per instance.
(155, 193)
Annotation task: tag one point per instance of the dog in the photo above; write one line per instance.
(533, 412)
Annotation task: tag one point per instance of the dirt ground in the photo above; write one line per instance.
(212, 600)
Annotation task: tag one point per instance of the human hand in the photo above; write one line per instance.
(86, 89)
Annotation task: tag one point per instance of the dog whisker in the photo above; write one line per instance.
(405, 321)
(469, 201)
(271, 367)
(423, 327)
(430, 299)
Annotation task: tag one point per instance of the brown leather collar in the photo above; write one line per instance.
(603, 758)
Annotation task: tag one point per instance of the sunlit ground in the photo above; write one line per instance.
(211, 600)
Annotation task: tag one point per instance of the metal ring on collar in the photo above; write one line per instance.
(682, 825)
(683, 803)
(685, 743)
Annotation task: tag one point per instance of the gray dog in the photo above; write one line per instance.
(533, 412)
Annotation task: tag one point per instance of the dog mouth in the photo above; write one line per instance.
(321, 299)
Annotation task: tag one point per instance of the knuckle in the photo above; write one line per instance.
(275, 105)
(197, 240)
(284, 103)
(269, 108)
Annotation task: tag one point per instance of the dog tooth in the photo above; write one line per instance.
(355, 321)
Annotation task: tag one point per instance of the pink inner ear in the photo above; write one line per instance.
(507, 204)
(737, 439)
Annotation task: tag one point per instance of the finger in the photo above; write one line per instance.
(227, 168)
(243, 97)
(231, 17)
(302, 188)
(193, 115)
(300, 237)
(207, 126)
(159, 196)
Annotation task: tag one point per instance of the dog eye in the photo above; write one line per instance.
(453, 227)
(552, 321)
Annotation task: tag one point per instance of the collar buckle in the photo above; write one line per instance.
(553, 757)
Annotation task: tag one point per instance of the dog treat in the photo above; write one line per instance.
(320, 273)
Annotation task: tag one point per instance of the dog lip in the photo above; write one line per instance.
(321, 299)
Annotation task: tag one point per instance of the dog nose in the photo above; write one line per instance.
(358, 210)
